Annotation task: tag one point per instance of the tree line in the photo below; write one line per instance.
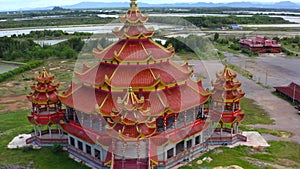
(45, 34)
(217, 22)
(213, 22)
(25, 50)
(70, 20)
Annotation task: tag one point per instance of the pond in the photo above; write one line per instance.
(5, 67)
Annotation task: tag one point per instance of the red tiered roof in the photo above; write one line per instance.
(134, 25)
(227, 91)
(134, 83)
(45, 94)
(45, 91)
(123, 76)
(133, 50)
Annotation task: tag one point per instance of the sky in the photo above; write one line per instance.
(25, 4)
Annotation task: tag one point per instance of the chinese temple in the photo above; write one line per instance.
(46, 111)
(261, 44)
(136, 108)
(227, 94)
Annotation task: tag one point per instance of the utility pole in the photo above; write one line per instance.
(294, 94)
(266, 82)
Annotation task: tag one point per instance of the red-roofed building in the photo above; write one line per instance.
(136, 108)
(261, 44)
(46, 111)
(292, 92)
(227, 94)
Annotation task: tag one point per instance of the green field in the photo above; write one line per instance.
(254, 114)
(15, 123)
(280, 154)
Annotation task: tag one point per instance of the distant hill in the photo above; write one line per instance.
(57, 8)
(279, 5)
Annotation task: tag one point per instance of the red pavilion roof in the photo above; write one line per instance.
(45, 91)
(133, 50)
(226, 87)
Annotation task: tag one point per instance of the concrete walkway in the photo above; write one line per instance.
(254, 139)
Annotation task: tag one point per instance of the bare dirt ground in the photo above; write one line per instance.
(13, 104)
(285, 116)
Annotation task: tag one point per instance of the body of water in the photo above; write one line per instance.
(5, 67)
(100, 29)
(95, 29)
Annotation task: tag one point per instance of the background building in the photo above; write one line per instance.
(261, 44)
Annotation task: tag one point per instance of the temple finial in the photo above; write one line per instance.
(133, 5)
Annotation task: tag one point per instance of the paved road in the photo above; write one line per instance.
(285, 116)
(270, 70)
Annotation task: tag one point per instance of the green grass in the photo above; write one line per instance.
(226, 157)
(249, 158)
(3, 107)
(254, 114)
(285, 150)
(225, 48)
(292, 47)
(15, 123)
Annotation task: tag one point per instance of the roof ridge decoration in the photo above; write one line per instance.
(134, 5)
(44, 77)
(131, 101)
(134, 27)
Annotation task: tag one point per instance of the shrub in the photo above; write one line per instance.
(234, 47)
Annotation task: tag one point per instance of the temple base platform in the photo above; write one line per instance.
(48, 139)
(226, 137)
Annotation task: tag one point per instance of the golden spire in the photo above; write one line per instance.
(134, 5)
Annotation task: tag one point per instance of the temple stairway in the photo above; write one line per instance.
(131, 164)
